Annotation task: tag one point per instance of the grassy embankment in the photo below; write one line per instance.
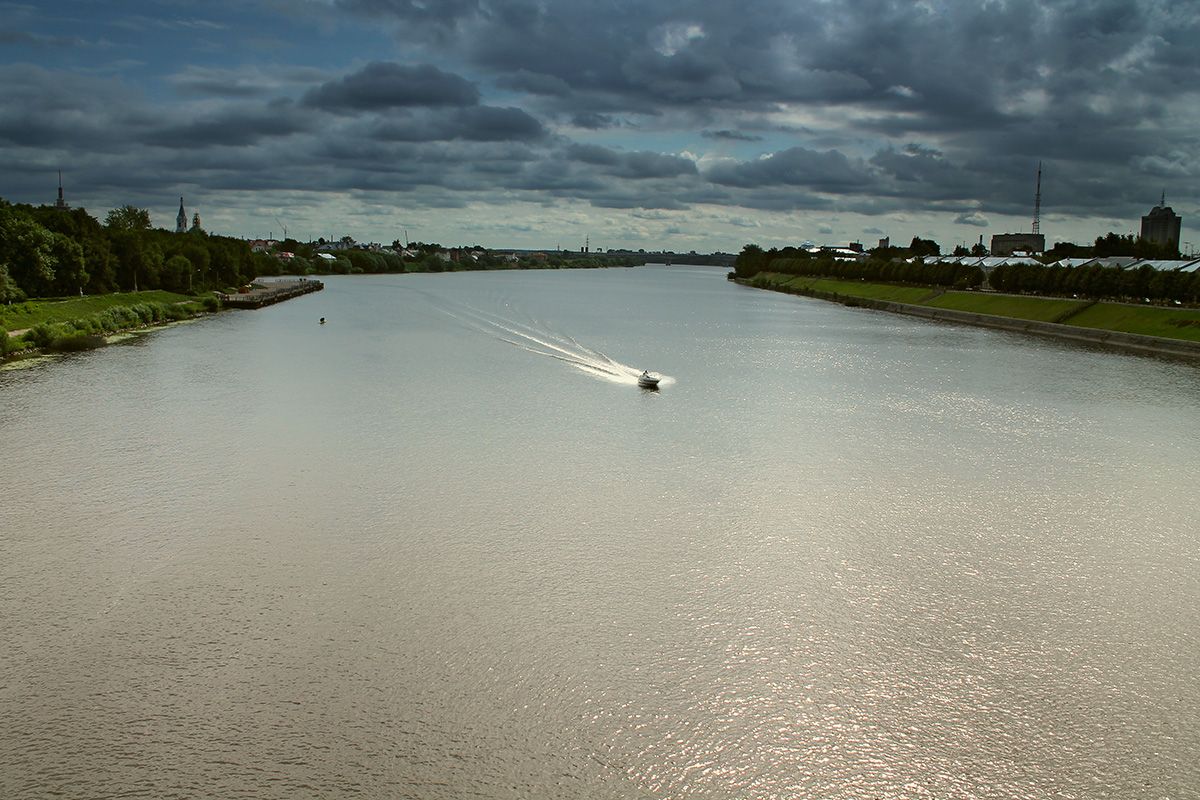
(1166, 322)
(81, 323)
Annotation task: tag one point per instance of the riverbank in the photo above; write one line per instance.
(85, 323)
(1165, 330)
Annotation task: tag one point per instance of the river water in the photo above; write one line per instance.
(443, 546)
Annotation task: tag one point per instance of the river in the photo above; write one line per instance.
(443, 546)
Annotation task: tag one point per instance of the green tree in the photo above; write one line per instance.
(85, 229)
(924, 247)
(128, 218)
(139, 257)
(750, 262)
(177, 274)
(27, 250)
(9, 291)
(69, 274)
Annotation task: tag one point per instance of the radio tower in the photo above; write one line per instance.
(1037, 203)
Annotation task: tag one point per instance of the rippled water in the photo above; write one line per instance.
(443, 547)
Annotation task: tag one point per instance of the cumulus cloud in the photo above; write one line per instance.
(636, 165)
(380, 86)
(797, 166)
(732, 135)
(478, 124)
(232, 126)
(593, 121)
(855, 107)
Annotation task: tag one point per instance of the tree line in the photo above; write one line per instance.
(1098, 282)
(49, 252)
(795, 261)
(892, 265)
(307, 259)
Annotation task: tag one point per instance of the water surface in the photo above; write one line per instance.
(443, 546)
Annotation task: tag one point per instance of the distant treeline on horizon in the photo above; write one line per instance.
(47, 251)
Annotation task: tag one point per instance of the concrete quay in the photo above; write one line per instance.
(271, 293)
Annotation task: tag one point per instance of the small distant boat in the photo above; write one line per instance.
(648, 381)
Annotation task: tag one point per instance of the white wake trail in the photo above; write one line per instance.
(535, 338)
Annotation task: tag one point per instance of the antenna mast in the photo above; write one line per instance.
(1037, 203)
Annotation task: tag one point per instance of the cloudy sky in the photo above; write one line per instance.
(677, 124)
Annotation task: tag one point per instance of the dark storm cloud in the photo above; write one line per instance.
(592, 121)
(734, 136)
(865, 106)
(380, 86)
(479, 124)
(1020, 70)
(644, 52)
(925, 171)
(45, 108)
(635, 165)
(534, 83)
(233, 126)
(822, 171)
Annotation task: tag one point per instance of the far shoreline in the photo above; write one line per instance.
(1116, 339)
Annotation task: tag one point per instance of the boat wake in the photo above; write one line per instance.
(535, 338)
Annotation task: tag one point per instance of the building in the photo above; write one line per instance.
(61, 205)
(1162, 225)
(1005, 244)
(181, 220)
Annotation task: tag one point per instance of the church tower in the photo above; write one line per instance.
(181, 220)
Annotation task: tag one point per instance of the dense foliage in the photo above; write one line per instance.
(1096, 281)
(792, 261)
(47, 252)
(1116, 245)
(896, 265)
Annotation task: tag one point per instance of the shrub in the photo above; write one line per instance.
(40, 335)
(76, 342)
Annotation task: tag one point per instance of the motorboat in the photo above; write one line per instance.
(648, 381)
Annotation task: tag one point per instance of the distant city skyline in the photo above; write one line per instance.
(670, 125)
